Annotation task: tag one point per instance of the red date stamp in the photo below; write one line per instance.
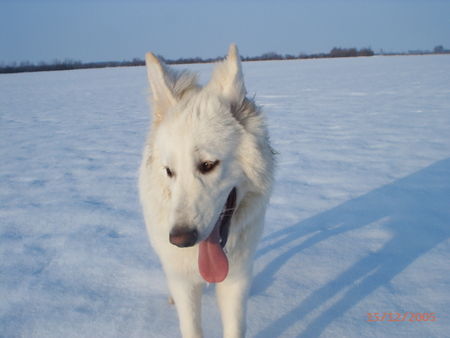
(401, 317)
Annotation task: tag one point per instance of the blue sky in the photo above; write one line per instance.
(100, 30)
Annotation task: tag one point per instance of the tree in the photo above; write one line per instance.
(439, 49)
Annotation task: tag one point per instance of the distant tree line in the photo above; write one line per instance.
(334, 53)
(68, 64)
(436, 50)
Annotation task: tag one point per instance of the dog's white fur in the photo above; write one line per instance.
(193, 124)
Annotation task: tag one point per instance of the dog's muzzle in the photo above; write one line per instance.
(184, 236)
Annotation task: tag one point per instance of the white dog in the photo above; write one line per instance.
(205, 180)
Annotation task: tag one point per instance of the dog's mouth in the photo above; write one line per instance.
(225, 217)
(212, 260)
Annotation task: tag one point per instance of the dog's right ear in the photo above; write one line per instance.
(227, 78)
(160, 78)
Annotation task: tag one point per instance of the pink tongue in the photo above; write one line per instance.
(212, 261)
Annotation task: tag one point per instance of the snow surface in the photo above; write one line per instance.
(359, 220)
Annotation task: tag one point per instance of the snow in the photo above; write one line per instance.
(359, 220)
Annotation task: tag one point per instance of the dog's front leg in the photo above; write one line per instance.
(232, 296)
(187, 298)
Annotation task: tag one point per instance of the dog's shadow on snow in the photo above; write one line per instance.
(415, 209)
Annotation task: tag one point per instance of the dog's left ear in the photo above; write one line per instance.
(160, 79)
(227, 79)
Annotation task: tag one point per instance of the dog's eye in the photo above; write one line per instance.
(206, 166)
(169, 172)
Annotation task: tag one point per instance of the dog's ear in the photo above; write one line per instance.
(160, 78)
(227, 78)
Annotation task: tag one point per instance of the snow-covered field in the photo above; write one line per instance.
(359, 221)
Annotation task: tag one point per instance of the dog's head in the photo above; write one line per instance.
(209, 148)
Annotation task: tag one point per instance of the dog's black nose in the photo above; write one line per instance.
(183, 236)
